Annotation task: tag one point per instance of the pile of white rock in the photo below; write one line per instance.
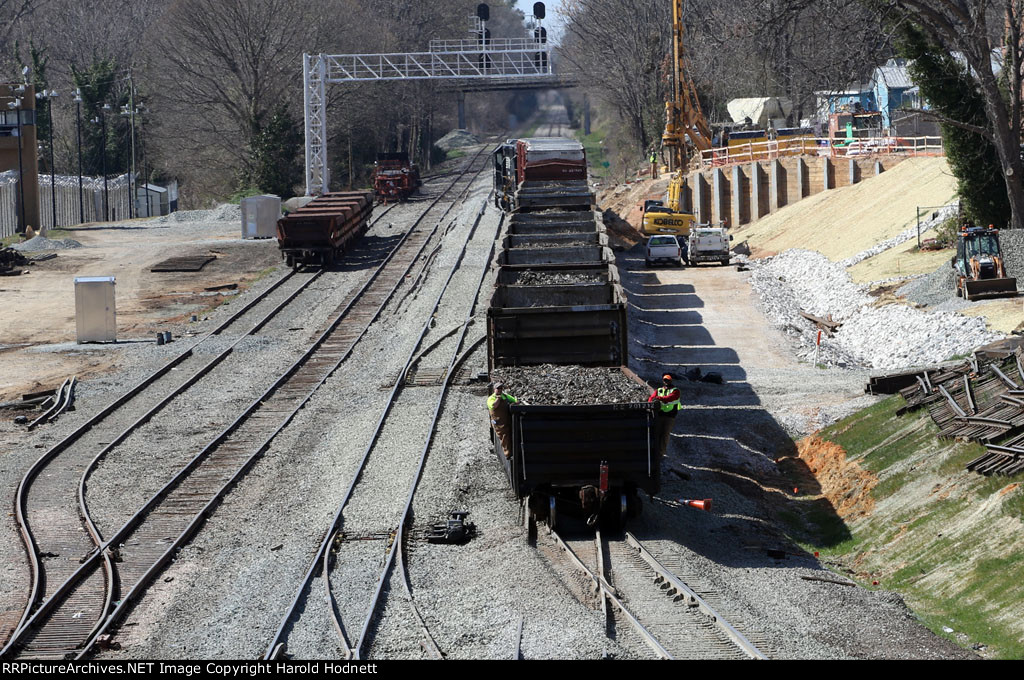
(888, 337)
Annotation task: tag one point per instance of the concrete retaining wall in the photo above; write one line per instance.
(741, 194)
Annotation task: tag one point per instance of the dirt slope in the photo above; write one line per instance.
(846, 221)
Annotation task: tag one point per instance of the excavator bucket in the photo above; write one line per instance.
(990, 288)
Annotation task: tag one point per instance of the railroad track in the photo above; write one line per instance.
(71, 605)
(635, 588)
(368, 532)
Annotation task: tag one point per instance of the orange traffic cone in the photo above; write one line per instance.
(704, 505)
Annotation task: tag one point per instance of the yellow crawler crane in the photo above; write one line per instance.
(684, 125)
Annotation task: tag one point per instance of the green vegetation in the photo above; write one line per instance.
(949, 87)
(455, 153)
(274, 155)
(237, 197)
(597, 156)
(945, 538)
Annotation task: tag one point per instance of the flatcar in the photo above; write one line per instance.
(320, 231)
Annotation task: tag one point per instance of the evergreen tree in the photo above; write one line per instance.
(102, 83)
(948, 87)
(274, 155)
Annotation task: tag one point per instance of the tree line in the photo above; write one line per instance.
(215, 89)
(966, 57)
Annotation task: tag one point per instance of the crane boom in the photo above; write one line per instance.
(683, 115)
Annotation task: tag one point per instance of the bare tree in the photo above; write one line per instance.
(12, 12)
(620, 48)
(988, 35)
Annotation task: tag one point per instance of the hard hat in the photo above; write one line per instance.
(667, 376)
(499, 385)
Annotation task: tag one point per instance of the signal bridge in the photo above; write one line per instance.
(473, 65)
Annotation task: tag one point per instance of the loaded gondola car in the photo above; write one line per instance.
(558, 302)
(541, 173)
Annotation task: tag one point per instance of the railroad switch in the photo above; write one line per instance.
(453, 531)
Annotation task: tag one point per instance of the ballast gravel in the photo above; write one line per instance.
(38, 243)
(941, 216)
(890, 337)
(542, 278)
(570, 385)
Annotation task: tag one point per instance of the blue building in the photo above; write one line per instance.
(892, 88)
(830, 102)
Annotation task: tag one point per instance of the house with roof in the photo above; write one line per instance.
(893, 89)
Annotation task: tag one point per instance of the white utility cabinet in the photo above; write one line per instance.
(260, 215)
(95, 313)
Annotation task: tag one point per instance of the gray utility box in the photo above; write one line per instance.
(95, 314)
(260, 215)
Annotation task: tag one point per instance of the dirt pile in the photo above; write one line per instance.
(843, 483)
(456, 139)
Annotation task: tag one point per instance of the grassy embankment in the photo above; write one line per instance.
(948, 540)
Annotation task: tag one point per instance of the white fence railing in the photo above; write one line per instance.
(65, 188)
(817, 146)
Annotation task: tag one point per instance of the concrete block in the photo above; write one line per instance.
(803, 182)
(777, 191)
(718, 200)
(757, 192)
(701, 198)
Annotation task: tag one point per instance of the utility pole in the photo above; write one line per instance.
(78, 129)
(49, 96)
(129, 112)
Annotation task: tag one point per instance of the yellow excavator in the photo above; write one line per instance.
(685, 127)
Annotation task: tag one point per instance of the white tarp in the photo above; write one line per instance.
(760, 110)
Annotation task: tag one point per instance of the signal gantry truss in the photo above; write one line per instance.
(467, 62)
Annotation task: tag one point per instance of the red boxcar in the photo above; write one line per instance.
(394, 177)
(323, 228)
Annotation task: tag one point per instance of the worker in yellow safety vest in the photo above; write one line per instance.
(501, 417)
(654, 163)
(667, 397)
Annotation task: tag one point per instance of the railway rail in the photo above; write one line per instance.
(379, 526)
(975, 401)
(670, 617)
(70, 609)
